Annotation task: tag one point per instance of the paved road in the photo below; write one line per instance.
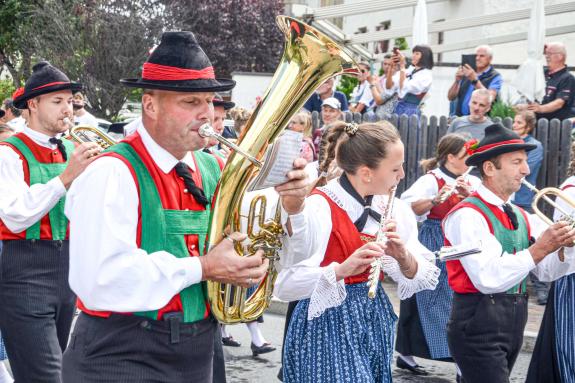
(243, 368)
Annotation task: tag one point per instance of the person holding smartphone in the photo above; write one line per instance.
(413, 83)
(468, 79)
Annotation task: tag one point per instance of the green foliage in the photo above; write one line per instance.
(401, 43)
(6, 89)
(501, 109)
(346, 85)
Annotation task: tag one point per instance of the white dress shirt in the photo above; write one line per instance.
(18, 124)
(21, 205)
(311, 234)
(426, 187)
(419, 83)
(493, 270)
(108, 271)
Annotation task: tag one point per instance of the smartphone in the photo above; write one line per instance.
(469, 60)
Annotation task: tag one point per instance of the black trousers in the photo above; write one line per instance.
(219, 367)
(485, 334)
(37, 307)
(128, 348)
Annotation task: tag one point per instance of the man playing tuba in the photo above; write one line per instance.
(139, 222)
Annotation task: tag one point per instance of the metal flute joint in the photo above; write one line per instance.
(207, 131)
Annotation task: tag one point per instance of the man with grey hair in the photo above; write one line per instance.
(467, 80)
(473, 126)
(560, 86)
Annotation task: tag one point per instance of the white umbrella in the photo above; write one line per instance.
(529, 79)
(419, 32)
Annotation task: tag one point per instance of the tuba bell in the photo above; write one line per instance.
(309, 58)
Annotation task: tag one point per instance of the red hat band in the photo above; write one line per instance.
(497, 144)
(157, 72)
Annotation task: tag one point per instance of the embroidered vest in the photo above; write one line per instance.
(344, 239)
(40, 166)
(511, 241)
(170, 219)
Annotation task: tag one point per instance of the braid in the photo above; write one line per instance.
(329, 144)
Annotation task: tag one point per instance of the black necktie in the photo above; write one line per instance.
(366, 203)
(183, 171)
(61, 147)
(508, 209)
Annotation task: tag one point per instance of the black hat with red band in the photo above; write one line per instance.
(179, 64)
(44, 79)
(498, 140)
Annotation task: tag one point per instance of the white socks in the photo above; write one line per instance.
(223, 330)
(257, 336)
(5, 376)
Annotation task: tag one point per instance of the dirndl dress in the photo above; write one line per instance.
(352, 342)
(553, 358)
(423, 317)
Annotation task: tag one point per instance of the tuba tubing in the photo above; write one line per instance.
(309, 58)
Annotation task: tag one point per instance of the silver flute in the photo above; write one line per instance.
(445, 196)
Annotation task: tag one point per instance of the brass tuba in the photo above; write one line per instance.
(309, 58)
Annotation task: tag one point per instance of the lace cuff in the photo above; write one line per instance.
(328, 293)
(426, 278)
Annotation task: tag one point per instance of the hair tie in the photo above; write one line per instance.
(351, 128)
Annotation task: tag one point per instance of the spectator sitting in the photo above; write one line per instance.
(325, 91)
(473, 126)
(385, 101)
(81, 115)
(412, 84)
(361, 98)
(523, 125)
(560, 86)
(13, 116)
(467, 80)
(330, 112)
(301, 123)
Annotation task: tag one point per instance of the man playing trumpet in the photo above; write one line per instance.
(489, 311)
(36, 169)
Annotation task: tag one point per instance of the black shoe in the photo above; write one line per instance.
(230, 341)
(416, 370)
(263, 349)
(281, 374)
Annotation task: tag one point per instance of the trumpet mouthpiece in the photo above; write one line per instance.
(205, 131)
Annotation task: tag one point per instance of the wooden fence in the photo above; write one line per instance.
(420, 138)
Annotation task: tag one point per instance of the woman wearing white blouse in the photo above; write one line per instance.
(423, 318)
(413, 83)
(338, 334)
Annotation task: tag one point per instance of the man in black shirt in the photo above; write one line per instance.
(560, 86)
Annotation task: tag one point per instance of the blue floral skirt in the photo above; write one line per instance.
(349, 343)
(564, 302)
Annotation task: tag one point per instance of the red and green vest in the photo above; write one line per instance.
(170, 219)
(512, 241)
(40, 165)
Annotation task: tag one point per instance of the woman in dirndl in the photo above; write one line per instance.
(553, 359)
(337, 333)
(423, 318)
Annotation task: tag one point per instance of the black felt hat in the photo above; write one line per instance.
(498, 140)
(219, 101)
(44, 79)
(179, 64)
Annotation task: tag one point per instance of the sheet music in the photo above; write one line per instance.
(278, 161)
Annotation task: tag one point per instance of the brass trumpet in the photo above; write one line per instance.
(543, 194)
(87, 133)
